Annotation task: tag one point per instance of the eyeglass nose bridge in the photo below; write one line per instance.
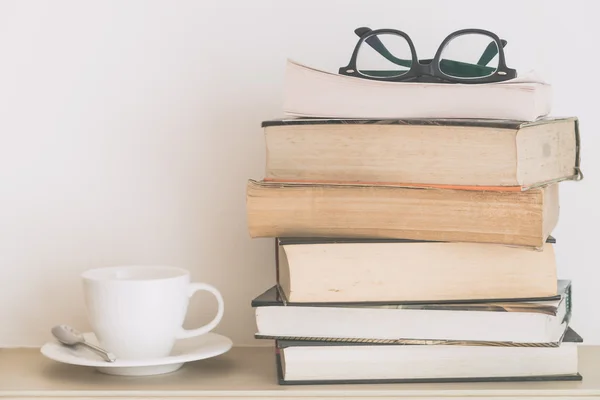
(424, 67)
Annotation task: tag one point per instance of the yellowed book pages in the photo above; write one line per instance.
(475, 154)
(314, 210)
(413, 271)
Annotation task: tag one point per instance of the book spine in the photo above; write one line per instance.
(277, 260)
(568, 299)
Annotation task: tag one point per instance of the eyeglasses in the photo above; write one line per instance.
(465, 56)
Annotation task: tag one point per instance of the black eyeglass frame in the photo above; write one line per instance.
(431, 68)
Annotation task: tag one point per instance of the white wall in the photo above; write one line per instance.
(128, 130)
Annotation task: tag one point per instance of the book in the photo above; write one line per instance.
(309, 92)
(307, 363)
(365, 211)
(526, 321)
(468, 153)
(346, 270)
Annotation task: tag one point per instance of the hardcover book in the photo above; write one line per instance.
(449, 153)
(524, 322)
(308, 363)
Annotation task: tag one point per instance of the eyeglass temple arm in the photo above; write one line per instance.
(490, 52)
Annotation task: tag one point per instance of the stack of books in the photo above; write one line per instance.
(412, 234)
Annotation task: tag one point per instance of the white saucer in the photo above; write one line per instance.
(198, 348)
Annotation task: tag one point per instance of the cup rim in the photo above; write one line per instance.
(106, 274)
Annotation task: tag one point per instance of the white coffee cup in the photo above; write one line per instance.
(137, 312)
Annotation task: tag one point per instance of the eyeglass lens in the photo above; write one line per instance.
(384, 55)
(472, 55)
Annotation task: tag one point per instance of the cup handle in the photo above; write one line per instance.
(193, 288)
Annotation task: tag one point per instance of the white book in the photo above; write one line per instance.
(311, 363)
(309, 92)
(526, 322)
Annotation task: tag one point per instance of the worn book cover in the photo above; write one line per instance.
(315, 210)
(467, 154)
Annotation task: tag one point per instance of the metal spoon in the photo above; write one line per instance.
(71, 337)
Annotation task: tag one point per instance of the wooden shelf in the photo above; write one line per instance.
(250, 372)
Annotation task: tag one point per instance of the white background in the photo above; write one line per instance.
(128, 130)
